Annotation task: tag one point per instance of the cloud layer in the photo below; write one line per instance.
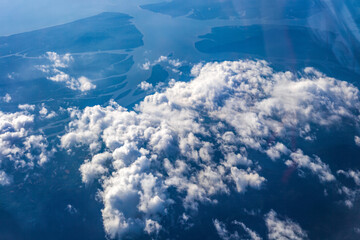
(192, 141)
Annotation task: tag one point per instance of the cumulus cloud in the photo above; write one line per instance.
(276, 151)
(55, 74)
(7, 98)
(61, 61)
(20, 145)
(316, 166)
(283, 229)
(44, 112)
(196, 137)
(243, 179)
(350, 195)
(152, 226)
(26, 107)
(145, 86)
(82, 83)
(95, 168)
(146, 65)
(174, 63)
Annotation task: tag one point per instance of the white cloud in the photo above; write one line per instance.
(243, 179)
(223, 232)
(146, 65)
(283, 229)
(152, 227)
(253, 235)
(7, 98)
(276, 151)
(43, 111)
(171, 138)
(354, 174)
(174, 63)
(11, 75)
(4, 178)
(20, 145)
(52, 114)
(26, 107)
(350, 193)
(145, 86)
(93, 169)
(357, 140)
(71, 209)
(316, 166)
(60, 61)
(82, 83)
